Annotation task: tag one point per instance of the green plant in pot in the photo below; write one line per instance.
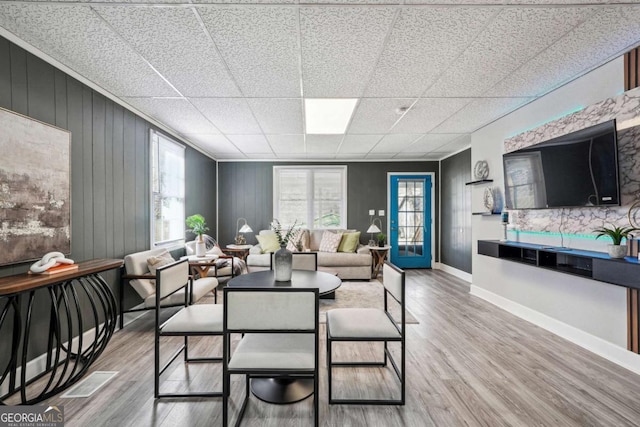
(616, 234)
(381, 239)
(198, 226)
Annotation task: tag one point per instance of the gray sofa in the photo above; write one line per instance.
(347, 265)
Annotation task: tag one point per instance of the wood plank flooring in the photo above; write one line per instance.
(468, 363)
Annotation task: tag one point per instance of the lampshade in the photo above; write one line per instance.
(373, 229)
(245, 229)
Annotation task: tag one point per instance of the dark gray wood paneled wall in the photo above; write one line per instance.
(246, 190)
(109, 163)
(456, 211)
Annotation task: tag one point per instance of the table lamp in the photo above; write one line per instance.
(373, 228)
(240, 240)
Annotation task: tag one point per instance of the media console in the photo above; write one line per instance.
(589, 264)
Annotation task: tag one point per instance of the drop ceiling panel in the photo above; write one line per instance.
(423, 42)
(261, 155)
(216, 144)
(323, 144)
(230, 115)
(278, 116)
(250, 143)
(479, 113)
(175, 43)
(394, 143)
(260, 46)
(80, 39)
(286, 144)
(381, 156)
(377, 115)
(177, 113)
(359, 143)
(431, 142)
(340, 47)
(352, 156)
(428, 113)
(456, 145)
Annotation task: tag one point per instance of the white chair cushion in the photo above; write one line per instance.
(360, 323)
(274, 351)
(196, 318)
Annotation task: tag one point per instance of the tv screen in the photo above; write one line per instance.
(577, 169)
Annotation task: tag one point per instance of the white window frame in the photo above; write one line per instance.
(310, 191)
(154, 139)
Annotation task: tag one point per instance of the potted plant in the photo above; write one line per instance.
(616, 249)
(381, 238)
(282, 258)
(198, 226)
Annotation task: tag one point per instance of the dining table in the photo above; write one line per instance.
(283, 389)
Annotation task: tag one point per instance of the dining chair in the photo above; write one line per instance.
(189, 321)
(371, 325)
(280, 331)
(301, 261)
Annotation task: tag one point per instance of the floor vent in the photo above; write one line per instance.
(89, 385)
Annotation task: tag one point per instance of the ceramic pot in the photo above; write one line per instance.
(282, 264)
(617, 251)
(201, 248)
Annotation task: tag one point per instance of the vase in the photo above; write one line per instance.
(617, 251)
(201, 248)
(282, 264)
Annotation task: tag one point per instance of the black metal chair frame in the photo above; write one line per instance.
(313, 254)
(159, 370)
(256, 373)
(400, 372)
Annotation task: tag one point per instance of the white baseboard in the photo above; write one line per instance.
(618, 355)
(455, 272)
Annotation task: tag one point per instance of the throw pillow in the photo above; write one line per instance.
(215, 251)
(156, 262)
(349, 242)
(268, 242)
(330, 241)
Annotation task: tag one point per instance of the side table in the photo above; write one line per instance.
(379, 254)
(240, 251)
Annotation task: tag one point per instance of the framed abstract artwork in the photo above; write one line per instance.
(35, 189)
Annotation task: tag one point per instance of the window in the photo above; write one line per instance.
(314, 196)
(167, 190)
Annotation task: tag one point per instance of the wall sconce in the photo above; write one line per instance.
(240, 240)
(373, 228)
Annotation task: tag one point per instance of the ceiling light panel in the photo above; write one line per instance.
(287, 144)
(323, 144)
(250, 143)
(478, 113)
(377, 115)
(78, 38)
(359, 143)
(175, 112)
(278, 116)
(340, 47)
(174, 42)
(328, 116)
(230, 115)
(260, 46)
(428, 113)
(422, 43)
(394, 143)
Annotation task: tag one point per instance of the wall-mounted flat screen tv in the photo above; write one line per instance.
(577, 169)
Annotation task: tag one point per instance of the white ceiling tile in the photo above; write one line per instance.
(431, 142)
(177, 113)
(291, 155)
(213, 143)
(278, 116)
(353, 156)
(428, 113)
(478, 113)
(228, 156)
(377, 115)
(320, 144)
(394, 143)
(320, 156)
(261, 156)
(287, 144)
(260, 46)
(379, 156)
(175, 43)
(423, 42)
(80, 39)
(457, 144)
(230, 115)
(340, 47)
(359, 143)
(250, 144)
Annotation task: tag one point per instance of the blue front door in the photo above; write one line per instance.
(410, 221)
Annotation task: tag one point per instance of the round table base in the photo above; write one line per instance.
(281, 390)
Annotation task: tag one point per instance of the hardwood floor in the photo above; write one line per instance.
(468, 363)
